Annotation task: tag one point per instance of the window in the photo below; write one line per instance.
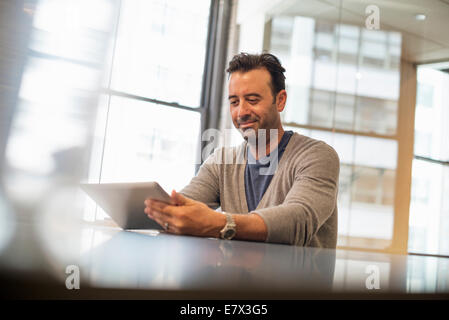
(424, 95)
(149, 116)
(429, 206)
(160, 49)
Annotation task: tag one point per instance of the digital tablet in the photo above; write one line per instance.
(124, 202)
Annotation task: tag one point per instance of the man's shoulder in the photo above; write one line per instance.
(303, 146)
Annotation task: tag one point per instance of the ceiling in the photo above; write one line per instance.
(423, 41)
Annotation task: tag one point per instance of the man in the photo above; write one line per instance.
(295, 205)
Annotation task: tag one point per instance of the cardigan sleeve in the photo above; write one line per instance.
(204, 186)
(311, 200)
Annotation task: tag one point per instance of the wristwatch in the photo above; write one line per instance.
(228, 231)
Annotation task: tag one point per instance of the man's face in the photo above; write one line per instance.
(252, 104)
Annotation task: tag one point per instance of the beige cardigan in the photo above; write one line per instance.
(300, 205)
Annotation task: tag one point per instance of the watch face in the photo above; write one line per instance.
(229, 233)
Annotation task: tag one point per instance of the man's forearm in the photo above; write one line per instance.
(187, 216)
(250, 227)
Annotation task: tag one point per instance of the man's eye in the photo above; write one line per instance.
(234, 103)
(253, 101)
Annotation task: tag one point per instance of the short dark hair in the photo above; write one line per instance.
(245, 62)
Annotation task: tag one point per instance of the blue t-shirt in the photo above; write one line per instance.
(256, 183)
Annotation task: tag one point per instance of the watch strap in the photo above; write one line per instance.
(230, 227)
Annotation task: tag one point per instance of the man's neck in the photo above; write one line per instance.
(270, 145)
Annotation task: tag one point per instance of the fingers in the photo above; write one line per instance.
(163, 220)
(179, 199)
(150, 207)
(173, 214)
(158, 206)
(159, 212)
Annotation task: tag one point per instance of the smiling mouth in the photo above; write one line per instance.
(246, 124)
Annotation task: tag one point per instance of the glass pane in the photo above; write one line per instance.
(373, 53)
(344, 111)
(282, 35)
(432, 114)
(366, 189)
(427, 274)
(160, 49)
(347, 81)
(372, 209)
(321, 107)
(72, 30)
(376, 115)
(149, 142)
(429, 208)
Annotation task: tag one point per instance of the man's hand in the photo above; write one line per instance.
(186, 216)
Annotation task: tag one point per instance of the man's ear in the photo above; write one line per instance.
(281, 100)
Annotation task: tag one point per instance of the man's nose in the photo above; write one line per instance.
(244, 110)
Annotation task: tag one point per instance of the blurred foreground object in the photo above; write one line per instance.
(52, 60)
